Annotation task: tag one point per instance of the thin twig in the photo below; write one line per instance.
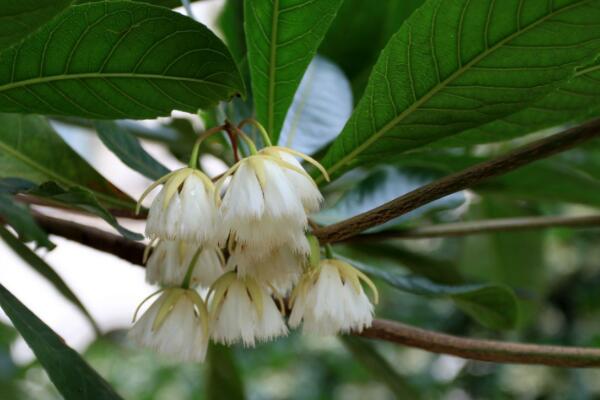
(474, 349)
(481, 226)
(459, 181)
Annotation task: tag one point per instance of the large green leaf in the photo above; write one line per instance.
(282, 38)
(573, 101)
(18, 18)
(493, 306)
(117, 59)
(42, 268)
(71, 375)
(32, 150)
(129, 150)
(458, 64)
(164, 3)
(20, 219)
(223, 377)
(359, 32)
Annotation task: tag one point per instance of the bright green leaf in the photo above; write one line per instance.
(455, 65)
(573, 101)
(71, 375)
(117, 59)
(42, 268)
(493, 306)
(19, 218)
(30, 149)
(282, 38)
(129, 150)
(18, 18)
(82, 199)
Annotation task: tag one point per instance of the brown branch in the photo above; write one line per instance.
(481, 226)
(483, 350)
(458, 181)
(474, 349)
(92, 237)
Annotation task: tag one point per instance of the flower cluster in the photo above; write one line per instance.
(244, 238)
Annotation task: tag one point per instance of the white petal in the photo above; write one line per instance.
(180, 336)
(238, 319)
(199, 216)
(305, 187)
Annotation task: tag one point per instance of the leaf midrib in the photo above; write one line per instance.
(272, 57)
(459, 72)
(58, 178)
(102, 75)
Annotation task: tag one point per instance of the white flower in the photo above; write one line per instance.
(306, 188)
(175, 325)
(280, 268)
(169, 262)
(185, 209)
(270, 193)
(330, 299)
(241, 309)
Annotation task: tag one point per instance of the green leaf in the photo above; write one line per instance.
(129, 150)
(42, 268)
(322, 105)
(493, 306)
(30, 149)
(355, 49)
(82, 199)
(163, 3)
(379, 368)
(20, 219)
(18, 18)
(573, 101)
(282, 38)
(455, 65)
(117, 59)
(223, 377)
(71, 375)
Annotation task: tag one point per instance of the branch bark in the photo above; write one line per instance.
(481, 226)
(458, 181)
(483, 350)
(474, 349)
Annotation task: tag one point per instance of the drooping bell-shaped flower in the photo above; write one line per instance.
(265, 196)
(185, 208)
(169, 262)
(176, 325)
(242, 310)
(329, 299)
(279, 268)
